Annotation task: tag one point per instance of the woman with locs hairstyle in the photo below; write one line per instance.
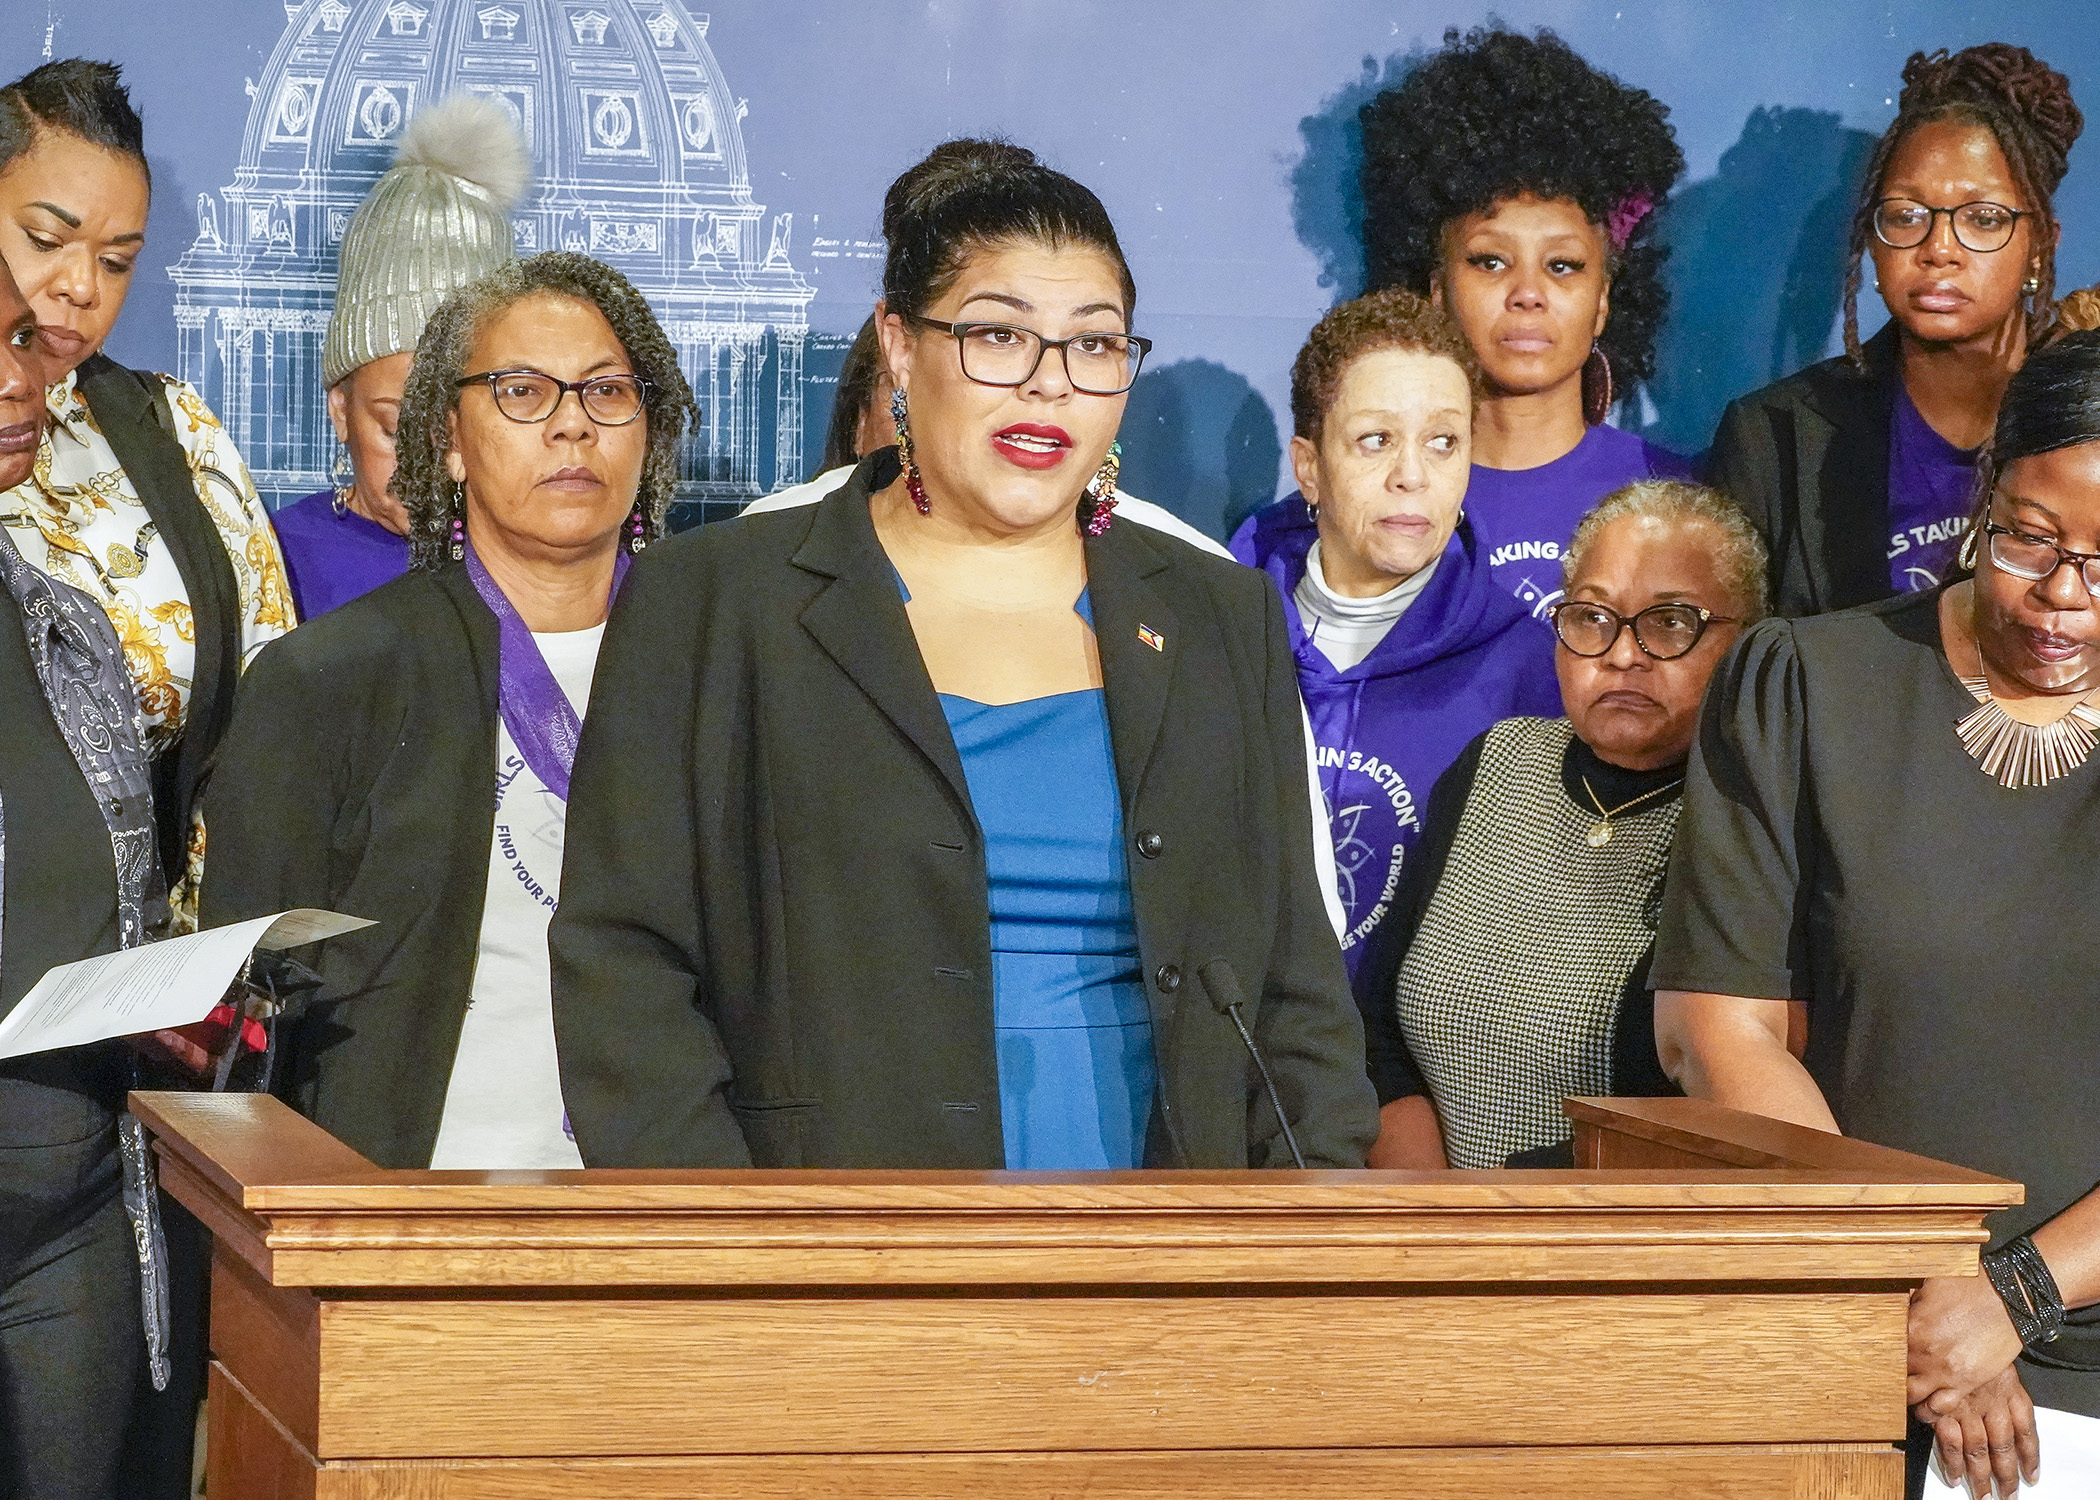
(438, 219)
(1880, 909)
(406, 757)
(976, 821)
(1859, 471)
(1518, 186)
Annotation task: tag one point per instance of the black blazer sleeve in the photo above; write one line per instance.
(1743, 464)
(268, 807)
(643, 1071)
(1308, 1030)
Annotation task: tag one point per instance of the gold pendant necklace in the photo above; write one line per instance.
(2017, 755)
(1600, 831)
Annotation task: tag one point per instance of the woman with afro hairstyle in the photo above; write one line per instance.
(1517, 186)
(1859, 470)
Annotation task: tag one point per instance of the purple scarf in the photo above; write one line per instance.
(538, 714)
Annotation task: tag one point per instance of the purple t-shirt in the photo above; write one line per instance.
(334, 558)
(1525, 517)
(1931, 489)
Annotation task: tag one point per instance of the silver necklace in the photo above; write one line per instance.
(2019, 755)
(1600, 831)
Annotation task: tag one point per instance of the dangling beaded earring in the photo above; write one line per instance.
(459, 521)
(1596, 386)
(1102, 488)
(900, 414)
(636, 541)
(343, 475)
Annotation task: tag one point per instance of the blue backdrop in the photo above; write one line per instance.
(734, 161)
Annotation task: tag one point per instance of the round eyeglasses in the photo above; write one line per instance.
(532, 396)
(1663, 631)
(1100, 364)
(1981, 226)
(2036, 558)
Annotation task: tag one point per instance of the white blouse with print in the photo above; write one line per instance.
(79, 519)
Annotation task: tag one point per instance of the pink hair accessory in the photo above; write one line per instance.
(1621, 222)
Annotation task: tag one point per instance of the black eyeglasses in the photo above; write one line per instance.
(1982, 226)
(533, 396)
(1663, 631)
(2036, 558)
(1100, 364)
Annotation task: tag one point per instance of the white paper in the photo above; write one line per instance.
(171, 983)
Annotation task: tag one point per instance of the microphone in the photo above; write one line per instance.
(1223, 987)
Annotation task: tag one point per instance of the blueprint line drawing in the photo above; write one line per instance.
(638, 159)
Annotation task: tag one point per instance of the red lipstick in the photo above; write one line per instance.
(1030, 445)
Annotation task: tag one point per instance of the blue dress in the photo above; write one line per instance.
(1074, 1034)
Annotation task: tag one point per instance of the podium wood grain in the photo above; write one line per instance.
(1713, 1308)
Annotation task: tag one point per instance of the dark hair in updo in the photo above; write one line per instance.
(2025, 104)
(82, 97)
(1496, 114)
(2052, 402)
(968, 195)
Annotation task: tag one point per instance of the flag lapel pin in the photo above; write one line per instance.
(1152, 638)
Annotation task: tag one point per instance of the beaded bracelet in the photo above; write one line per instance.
(2022, 1281)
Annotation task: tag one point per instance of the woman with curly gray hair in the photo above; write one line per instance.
(537, 451)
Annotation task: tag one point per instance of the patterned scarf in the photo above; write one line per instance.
(80, 664)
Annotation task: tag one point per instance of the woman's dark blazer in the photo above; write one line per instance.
(773, 945)
(359, 776)
(1808, 461)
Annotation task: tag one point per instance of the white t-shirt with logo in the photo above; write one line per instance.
(503, 1106)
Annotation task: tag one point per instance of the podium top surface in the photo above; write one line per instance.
(1737, 1197)
(267, 1157)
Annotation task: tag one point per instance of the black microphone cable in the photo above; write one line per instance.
(1223, 987)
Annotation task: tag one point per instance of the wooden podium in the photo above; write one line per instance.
(1713, 1307)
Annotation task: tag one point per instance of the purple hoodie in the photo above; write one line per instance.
(1465, 655)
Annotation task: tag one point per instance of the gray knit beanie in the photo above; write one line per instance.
(439, 219)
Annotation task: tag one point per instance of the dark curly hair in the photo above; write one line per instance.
(421, 482)
(2025, 104)
(968, 194)
(1496, 114)
(1392, 319)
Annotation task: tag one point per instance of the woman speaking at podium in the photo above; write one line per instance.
(949, 822)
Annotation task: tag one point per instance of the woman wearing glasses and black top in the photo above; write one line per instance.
(1858, 471)
(537, 449)
(950, 821)
(1887, 849)
(1522, 933)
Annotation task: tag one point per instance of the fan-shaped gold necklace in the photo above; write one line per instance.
(2015, 754)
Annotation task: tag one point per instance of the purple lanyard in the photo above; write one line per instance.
(535, 710)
